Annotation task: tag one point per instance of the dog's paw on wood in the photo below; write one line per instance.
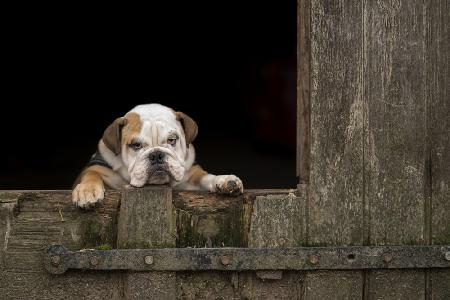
(87, 195)
(228, 185)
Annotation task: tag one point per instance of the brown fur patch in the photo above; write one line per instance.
(133, 127)
(195, 174)
(94, 175)
(189, 126)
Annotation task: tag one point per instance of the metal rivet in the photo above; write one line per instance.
(387, 258)
(56, 260)
(313, 259)
(148, 260)
(94, 261)
(447, 255)
(225, 260)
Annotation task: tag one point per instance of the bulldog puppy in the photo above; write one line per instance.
(151, 144)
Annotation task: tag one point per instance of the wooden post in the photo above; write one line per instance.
(275, 222)
(379, 140)
(437, 32)
(146, 220)
(303, 89)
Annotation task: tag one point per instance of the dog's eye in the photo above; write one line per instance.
(172, 141)
(135, 146)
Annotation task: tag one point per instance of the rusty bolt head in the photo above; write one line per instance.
(94, 261)
(225, 260)
(387, 258)
(447, 255)
(313, 259)
(56, 260)
(148, 260)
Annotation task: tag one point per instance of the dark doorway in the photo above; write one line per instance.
(230, 66)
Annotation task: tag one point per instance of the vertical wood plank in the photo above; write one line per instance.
(303, 89)
(336, 208)
(336, 189)
(395, 137)
(438, 129)
(275, 222)
(146, 220)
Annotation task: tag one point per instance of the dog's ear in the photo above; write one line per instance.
(189, 126)
(112, 136)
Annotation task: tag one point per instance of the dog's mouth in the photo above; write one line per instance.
(159, 175)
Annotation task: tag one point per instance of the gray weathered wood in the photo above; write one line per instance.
(396, 285)
(336, 191)
(303, 89)
(147, 220)
(335, 210)
(275, 222)
(395, 121)
(39, 218)
(437, 34)
(395, 136)
(209, 220)
(29, 222)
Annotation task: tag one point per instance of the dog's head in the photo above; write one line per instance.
(153, 143)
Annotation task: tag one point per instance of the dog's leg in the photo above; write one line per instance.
(223, 184)
(90, 188)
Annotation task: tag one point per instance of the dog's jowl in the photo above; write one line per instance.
(151, 144)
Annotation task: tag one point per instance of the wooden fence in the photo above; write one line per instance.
(373, 164)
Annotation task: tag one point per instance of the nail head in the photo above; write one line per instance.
(148, 260)
(447, 255)
(56, 259)
(225, 260)
(313, 259)
(94, 261)
(387, 258)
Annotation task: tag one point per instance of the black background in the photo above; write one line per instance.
(70, 71)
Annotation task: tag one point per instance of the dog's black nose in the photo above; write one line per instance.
(156, 157)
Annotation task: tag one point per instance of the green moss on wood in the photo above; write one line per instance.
(103, 247)
(221, 229)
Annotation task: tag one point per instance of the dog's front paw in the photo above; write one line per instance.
(86, 195)
(228, 185)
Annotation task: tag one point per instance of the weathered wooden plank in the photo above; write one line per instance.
(8, 208)
(438, 117)
(437, 33)
(335, 209)
(147, 220)
(275, 222)
(336, 192)
(333, 285)
(395, 284)
(211, 220)
(31, 230)
(35, 220)
(303, 89)
(253, 287)
(73, 285)
(395, 116)
(207, 285)
(395, 139)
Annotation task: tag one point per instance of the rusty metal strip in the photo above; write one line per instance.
(58, 259)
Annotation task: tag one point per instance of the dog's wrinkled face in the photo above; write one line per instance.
(154, 143)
